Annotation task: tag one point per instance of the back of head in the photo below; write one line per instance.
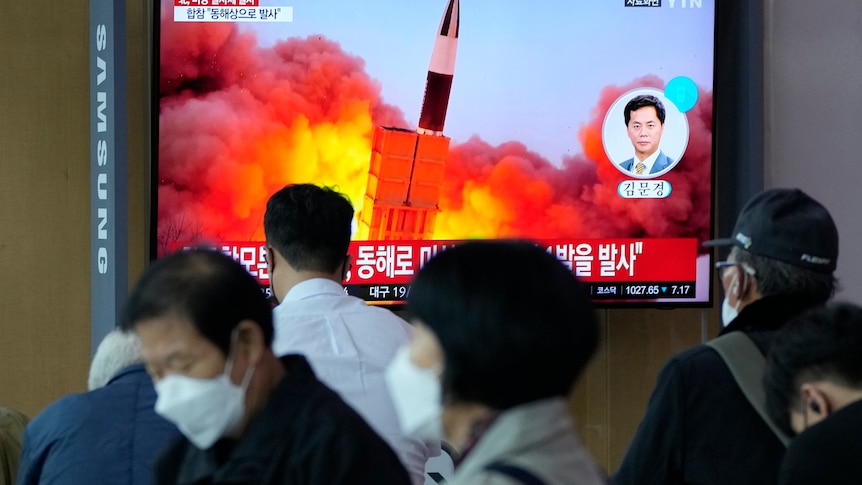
(12, 424)
(514, 323)
(209, 289)
(824, 344)
(309, 226)
(791, 242)
(117, 351)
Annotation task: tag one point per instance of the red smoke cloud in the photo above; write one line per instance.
(239, 121)
(509, 191)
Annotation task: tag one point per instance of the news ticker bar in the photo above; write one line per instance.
(641, 291)
(398, 293)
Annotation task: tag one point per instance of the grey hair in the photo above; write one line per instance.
(117, 351)
(779, 278)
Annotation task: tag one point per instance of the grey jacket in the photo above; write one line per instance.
(538, 437)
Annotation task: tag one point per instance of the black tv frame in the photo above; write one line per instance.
(738, 127)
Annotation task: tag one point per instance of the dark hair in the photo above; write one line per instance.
(822, 344)
(643, 101)
(309, 226)
(514, 323)
(209, 289)
(776, 277)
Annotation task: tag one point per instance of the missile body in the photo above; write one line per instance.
(405, 176)
(440, 73)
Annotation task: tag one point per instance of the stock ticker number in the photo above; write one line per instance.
(641, 290)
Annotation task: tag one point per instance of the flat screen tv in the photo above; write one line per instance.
(585, 126)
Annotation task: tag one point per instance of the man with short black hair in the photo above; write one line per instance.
(699, 426)
(814, 388)
(347, 342)
(247, 416)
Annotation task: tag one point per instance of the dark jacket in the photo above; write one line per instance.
(699, 428)
(108, 435)
(305, 434)
(827, 452)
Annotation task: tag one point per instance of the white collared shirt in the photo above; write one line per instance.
(349, 343)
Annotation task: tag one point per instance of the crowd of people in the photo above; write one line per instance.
(204, 382)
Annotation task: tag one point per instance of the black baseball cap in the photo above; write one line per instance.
(786, 225)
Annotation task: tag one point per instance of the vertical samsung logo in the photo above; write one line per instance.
(642, 3)
(102, 128)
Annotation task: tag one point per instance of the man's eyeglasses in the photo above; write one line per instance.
(720, 265)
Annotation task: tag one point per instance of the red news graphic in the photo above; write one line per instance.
(592, 260)
(216, 3)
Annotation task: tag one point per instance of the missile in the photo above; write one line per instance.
(440, 73)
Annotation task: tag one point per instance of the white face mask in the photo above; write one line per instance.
(204, 410)
(729, 313)
(416, 393)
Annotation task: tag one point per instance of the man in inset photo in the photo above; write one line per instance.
(644, 117)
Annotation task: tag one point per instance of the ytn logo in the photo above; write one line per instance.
(686, 3)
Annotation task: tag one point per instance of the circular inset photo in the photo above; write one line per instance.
(644, 133)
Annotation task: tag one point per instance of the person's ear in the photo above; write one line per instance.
(348, 265)
(733, 289)
(815, 400)
(250, 345)
(270, 259)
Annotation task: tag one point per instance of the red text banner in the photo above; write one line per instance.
(592, 260)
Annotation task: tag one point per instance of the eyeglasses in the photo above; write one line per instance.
(720, 265)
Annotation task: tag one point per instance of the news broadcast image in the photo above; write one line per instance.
(442, 121)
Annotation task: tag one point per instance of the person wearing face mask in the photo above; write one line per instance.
(813, 387)
(503, 330)
(246, 416)
(699, 427)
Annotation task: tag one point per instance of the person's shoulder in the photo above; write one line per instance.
(692, 363)
(627, 165)
(664, 160)
(64, 417)
(311, 399)
(169, 460)
(840, 427)
(816, 450)
(66, 408)
(695, 355)
(359, 309)
(307, 415)
(385, 314)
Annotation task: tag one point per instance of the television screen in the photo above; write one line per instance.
(583, 126)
